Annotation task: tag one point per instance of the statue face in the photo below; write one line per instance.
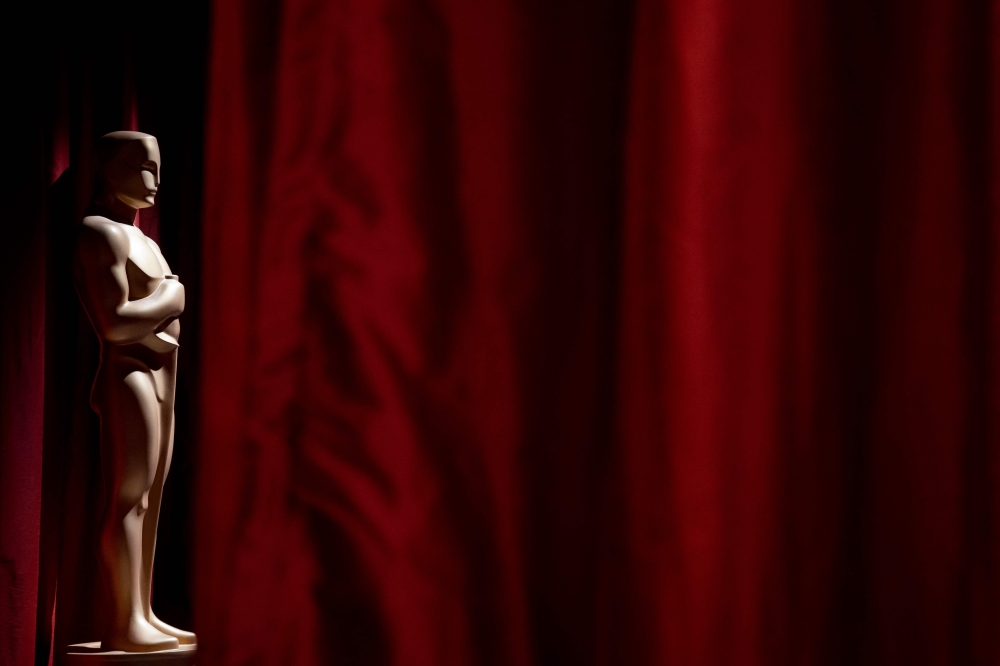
(134, 173)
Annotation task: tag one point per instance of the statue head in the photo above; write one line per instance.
(128, 168)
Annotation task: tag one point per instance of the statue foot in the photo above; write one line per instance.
(139, 636)
(183, 637)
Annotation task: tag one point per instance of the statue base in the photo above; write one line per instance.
(90, 654)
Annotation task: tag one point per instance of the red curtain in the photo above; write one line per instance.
(590, 333)
(22, 369)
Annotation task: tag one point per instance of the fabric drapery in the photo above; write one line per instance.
(543, 333)
(648, 332)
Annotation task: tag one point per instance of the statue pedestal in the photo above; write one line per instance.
(90, 654)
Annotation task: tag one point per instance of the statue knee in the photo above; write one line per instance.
(132, 495)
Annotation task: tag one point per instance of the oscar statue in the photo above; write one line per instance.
(133, 302)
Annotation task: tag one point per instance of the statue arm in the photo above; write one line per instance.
(103, 284)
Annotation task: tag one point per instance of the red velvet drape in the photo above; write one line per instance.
(590, 333)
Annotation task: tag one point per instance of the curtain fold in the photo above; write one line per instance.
(600, 333)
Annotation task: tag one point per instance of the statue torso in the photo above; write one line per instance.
(145, 269)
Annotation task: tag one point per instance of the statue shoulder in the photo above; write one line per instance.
(102, 240)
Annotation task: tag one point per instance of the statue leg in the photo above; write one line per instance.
(153, 516)
(130, 443)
